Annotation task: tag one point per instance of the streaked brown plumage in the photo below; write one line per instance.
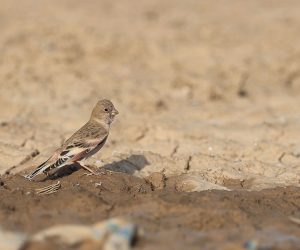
(87, 141)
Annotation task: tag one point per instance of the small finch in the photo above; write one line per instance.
(87, 141)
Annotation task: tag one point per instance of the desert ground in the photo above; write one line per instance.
(205, 153)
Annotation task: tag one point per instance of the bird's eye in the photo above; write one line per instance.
(106, 110)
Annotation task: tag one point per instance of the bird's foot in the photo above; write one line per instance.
(87, 174)
(100, 171)
(105, 171)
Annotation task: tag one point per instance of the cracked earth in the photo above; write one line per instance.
(208, 95)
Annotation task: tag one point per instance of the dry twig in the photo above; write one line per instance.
(49, 189)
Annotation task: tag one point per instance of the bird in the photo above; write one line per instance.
(85, 142)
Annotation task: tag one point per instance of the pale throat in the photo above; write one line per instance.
(104, 122)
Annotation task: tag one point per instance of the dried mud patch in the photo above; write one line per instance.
(213, 218)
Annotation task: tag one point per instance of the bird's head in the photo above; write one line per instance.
(104, 112)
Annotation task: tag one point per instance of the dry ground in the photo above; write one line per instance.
(208, 94)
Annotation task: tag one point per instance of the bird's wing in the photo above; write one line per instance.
(70, 154)
(77, 147)
(77, 150)
(40, 169)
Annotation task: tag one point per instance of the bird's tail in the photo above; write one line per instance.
(40, 169)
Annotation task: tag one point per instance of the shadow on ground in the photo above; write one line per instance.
(129, 165)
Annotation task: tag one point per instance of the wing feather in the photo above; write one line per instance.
(74, 149)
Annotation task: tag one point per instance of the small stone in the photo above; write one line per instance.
(98, 184)
(157, 180)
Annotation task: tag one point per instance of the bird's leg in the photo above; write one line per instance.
(100, 171)
(89, 169)
(92, 172)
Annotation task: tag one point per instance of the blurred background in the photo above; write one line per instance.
(190, 78)
(208, 95)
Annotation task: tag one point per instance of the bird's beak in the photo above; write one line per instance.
(115, 112)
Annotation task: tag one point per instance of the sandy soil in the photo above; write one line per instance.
(210, 219)
(208, 94)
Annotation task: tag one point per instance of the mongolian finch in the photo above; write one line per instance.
(87, 141)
